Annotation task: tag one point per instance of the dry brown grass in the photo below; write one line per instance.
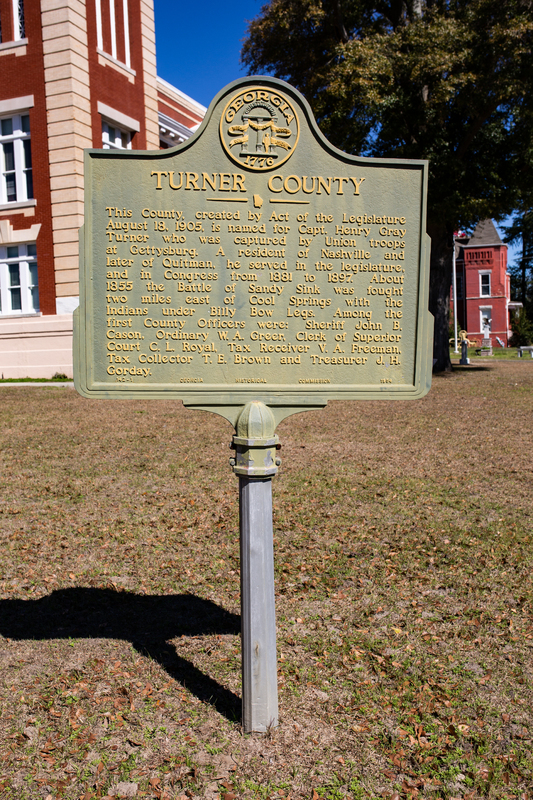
(404, 598)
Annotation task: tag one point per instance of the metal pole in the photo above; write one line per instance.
(454, 284)
(255, 463)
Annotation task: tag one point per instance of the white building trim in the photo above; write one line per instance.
(123, 120)
(15, 104)
(171, 131)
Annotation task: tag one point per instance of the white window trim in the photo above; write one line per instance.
(16, 104)
(12, 46)
(127, 54)
(118, 118)
(99, 34)
(121, 123)
(24, 261)
(8, 235)
(113, 24)
(16, 22)
(482, 272)
(116, 143)
(113, 28)
(20, 170)
(118, 64)
(485, 311)
(18, 204)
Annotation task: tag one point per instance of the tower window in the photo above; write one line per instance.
(484, 282)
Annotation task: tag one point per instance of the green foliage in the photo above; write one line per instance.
(441, 81)
(448, 82)
(521, 230)
(522, 330)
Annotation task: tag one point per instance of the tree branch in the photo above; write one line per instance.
(474, 129)
(341, 30)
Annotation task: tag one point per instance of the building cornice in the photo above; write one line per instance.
(178, 96)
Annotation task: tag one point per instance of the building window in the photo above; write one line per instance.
(115, 138)
(115, 16)
(485, 319)
(15, 158)
(126, 19)
(19, 289)
(18, 19)
(19, 25)
(459, 286)
(484, 284)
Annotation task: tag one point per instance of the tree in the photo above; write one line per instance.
(522, 330)
(450, 81)
(521, 230)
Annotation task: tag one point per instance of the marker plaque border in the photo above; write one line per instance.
(227, 398)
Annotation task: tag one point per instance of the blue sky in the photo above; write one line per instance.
(199, 43)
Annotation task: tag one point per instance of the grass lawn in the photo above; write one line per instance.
(497, 352)
(404, 564)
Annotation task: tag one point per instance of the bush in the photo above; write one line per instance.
(522, 329)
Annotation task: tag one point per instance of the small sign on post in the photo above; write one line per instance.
(254, 271)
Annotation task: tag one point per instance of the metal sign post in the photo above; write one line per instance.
(254, 271)
(256, 464)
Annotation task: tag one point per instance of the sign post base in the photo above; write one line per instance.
(258, 614)
(255, 463)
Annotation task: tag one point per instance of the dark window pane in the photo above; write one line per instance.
(33, 274)
(22, 25)
(14, 275)
(35, 298)
(32, 249)
(27, 153)
(29, 184)
(7, 127)
(11, 189)
(26, 123)
(16, 302)
(12, 252)
(9, 157)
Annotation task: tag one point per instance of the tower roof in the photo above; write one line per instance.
(485, 233)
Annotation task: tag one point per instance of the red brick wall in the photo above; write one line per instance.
(24, 75)
(188, 119)
(6, 15)
(110, 86)
(493, 259)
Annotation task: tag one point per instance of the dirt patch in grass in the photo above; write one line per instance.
(404, 565)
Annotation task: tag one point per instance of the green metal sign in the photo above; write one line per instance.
(253, 262)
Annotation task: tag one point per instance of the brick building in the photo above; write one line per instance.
(74, 75)
(484, 285)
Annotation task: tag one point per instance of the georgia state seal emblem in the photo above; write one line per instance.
(259, 128)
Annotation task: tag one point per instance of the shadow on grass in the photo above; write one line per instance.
(147, 621)
(471, 368)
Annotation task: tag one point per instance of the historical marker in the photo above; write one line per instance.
(254, 271)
